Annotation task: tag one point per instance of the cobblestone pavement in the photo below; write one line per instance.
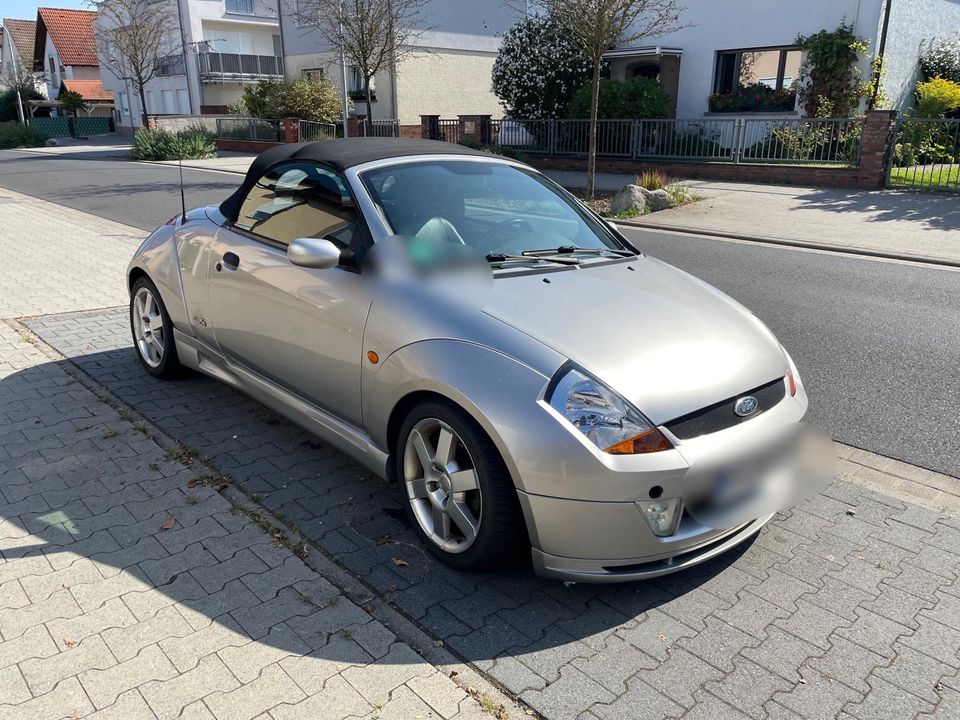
(55, 259)
(847, 606)
(128, 589)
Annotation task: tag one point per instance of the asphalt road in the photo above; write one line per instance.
(138, 194)
(877, 343)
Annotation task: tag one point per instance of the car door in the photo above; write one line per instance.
(299, 328)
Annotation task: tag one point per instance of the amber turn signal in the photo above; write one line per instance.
(646, 442)
(791, 384)
(373, 357)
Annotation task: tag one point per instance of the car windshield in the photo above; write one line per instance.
(501, 210)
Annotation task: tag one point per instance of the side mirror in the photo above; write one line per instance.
(613, 225)
(318, 253)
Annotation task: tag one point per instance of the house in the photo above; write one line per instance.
(16, 54)
(448, 73)
(735, 43)
(227, 44)
(65, 52)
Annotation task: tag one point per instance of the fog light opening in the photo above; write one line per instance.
(662, 515)
(655, 492)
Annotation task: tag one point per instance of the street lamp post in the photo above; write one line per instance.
(343, 76)
(16, 75)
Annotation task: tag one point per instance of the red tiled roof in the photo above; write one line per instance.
(72, 34)
(91, 90)
(23, 33)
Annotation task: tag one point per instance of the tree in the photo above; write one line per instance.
(600, 25)
(539, 69)
(316, 100)
(373, 34)
(133, 38)
(72, 101)
(22, 89)
(940, 57)
(830, 72)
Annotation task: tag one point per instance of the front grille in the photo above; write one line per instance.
(720, 416)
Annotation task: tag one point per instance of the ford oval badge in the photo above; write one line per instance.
(746, 406)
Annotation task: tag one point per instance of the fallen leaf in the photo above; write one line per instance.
(391, 588)
(400, 562)
(661, 637)
(193, 483)
(438, 643)
(802, 681)
(851, 511)
(69, 643)
(453, 673)
(168, 523)
(384, 540)
(220, 487)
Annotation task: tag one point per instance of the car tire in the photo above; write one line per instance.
(152, 331)
(500, 532)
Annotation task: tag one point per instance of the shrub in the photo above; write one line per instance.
(830, 70)
(940, 57)
(192, 143)
(653, 180)
(635, 99)
(503, 151)
(937, 97)
(539, 68)
(8, 102)
(15, 135)
(316, 100)
(754, 98)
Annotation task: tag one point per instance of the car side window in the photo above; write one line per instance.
(299, 199)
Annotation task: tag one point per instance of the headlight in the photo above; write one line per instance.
(608, 421)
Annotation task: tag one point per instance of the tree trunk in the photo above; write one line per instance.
(366, 90)
(592, 149)
(143, 106)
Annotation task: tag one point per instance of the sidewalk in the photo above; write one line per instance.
(908, 224)
(134, 584)
(130, 586)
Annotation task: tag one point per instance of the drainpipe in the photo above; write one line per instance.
(283, 48)
(880, 50)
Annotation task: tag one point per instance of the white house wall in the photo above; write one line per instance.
(912, 22)
(742, 24)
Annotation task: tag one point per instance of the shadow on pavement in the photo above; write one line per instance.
(351, 515)
(929, 210)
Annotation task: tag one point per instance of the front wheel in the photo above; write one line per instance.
(152, 331)
(456, 489)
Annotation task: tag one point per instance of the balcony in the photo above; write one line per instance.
(237, 68)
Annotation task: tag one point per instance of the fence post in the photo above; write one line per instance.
(635, 140)
(291, 130)
(736, 149)
(429, 127)
(552, 136)
(876, 146)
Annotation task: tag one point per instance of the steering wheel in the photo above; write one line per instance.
(506, 229)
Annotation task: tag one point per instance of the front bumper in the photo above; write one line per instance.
(606, 539)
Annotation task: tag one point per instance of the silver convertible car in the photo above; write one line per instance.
(572, 399)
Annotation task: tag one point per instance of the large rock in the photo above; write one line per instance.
(656, 199)
(51, 143)
(631, 198)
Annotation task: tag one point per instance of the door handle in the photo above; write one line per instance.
(231, 261)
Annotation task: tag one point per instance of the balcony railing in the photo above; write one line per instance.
(234, 67)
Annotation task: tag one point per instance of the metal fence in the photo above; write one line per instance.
(380, 128)
(926, 155)
(249, 129)
(311, 131)
(831, 142)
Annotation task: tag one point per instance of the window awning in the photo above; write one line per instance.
(641, 52)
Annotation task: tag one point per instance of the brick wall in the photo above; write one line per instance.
(247, 146)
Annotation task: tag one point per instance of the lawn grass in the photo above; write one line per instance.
(944, 177)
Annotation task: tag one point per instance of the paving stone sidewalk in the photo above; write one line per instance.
(847, 606)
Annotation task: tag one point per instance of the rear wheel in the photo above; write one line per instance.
(456, 489)
(152, 331)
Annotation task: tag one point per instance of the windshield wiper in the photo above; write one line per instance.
(504, 257)
(570, 249)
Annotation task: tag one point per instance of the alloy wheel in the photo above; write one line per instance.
(442, 485)
(148, 327)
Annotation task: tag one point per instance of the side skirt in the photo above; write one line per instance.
(352, 441)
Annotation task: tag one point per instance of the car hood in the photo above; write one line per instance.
(668, 342)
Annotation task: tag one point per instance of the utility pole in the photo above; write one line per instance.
(343, 76)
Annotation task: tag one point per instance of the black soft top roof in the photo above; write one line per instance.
(340, 155)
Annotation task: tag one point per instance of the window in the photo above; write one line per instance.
(170, 65)
(242, 7)
(312, 74)
(277, 46)
(490, 207)
(775, 68)
(296, 200)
